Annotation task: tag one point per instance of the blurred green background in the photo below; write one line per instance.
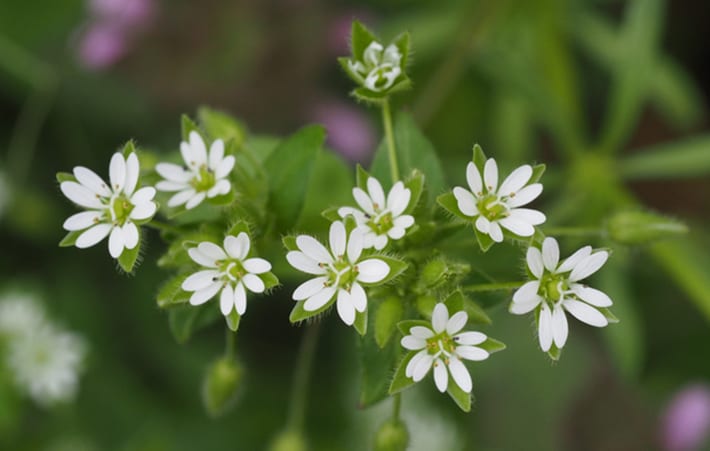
(612, 95)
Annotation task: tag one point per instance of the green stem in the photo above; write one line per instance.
(389, 135)
(299, 391)
(574, 231)
(493, 286)
(396, 406)
(230, 343)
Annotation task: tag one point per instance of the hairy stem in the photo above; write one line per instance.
(493, 286)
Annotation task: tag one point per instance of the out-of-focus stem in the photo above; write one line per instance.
(389, 136)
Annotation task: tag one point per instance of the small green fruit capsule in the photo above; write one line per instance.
(434, 273)
(392, 436)
(637, 227)
(220, 386)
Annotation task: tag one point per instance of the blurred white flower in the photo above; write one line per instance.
(229, 271)
(46, 364)
(380, 219)
(19, 313)
(206, 175)
(111, 210)
(498, 207)
(557, 289)
(340, 272)
(443, 346)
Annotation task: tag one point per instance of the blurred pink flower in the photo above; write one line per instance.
(350, 132)
(124, 13)
(686, 421)
(101, 46)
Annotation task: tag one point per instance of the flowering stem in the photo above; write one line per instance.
(493, 286)
(396, 405)
(299, 390)
(574, 231)
(389, 135)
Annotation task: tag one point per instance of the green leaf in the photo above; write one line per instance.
(415, 184)
(65, 177)
(686, 158)
(189, 126)
(460, 397)
(219, 125)
(454, 302)
(388, 314)
(631, 78)
(70, 238)
(476, 315)
(377, 365)
(400, 381)
(360, 39)
(414, 151)
(128, 258)
(289, 168)
(448, 202)
(397, 267)
(331, 214)
(171, 293)
(233, 320)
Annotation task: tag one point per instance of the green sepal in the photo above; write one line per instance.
(405, 325)
(331, 214)
(538, 170)
(220, 125)
(402, 44)
(484, 240)
(270, 280)
(188, 125)
(460, 397)
(177, 255)
(458, 301)
(232, 320)
(492, 345)
(222, 199)
(479, 157)
(366, 95)
(289, 242)
(554, 353)
(608, 315)
(448, 202)
(299, 314)
(396, 266)
(360, 38)
(128, 149)
(345, 65)
(361, 176)
(65, 177)
(238, 227)
(400, 381)
(387, 315)
(415, 184)
(128, 258)
(70, 238)
(171, 292)
(360, 323)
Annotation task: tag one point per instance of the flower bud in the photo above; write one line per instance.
(392, 436)
(289, 440)
(438, 272)
(220, 386)
(637, 227)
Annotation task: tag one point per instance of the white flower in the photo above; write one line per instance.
(340, 272)
(112, 209)
(380, 67)
(378, 218)
(19, 313)
(557, 289)
(205, 176)
(46, 364)
(229, 271)
(443, 346)
(498, 206)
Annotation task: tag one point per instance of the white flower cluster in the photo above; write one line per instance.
(45, 360)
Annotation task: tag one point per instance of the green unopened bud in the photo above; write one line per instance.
(220, 386)
(637, 227)
(392, 436)
(438, 272)
(289, 440)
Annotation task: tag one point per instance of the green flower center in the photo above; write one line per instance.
(342, 273)
(443, 343)
(120, 209)
(552, 287)
(231, 269)
(382, 223)
(491, 207)
(204, 180)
